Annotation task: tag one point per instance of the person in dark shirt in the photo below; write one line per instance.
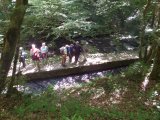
(78, 50)
(70, 52)
(22, 56)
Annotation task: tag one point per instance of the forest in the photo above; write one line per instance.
(115, 75)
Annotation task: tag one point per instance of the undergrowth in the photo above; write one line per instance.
(54, 106)
(78, 103)
(136, 71)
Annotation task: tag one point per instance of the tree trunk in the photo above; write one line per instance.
(142, 34)
(10, 86)
(155, 74)
(151, 53)
(157, 15)
(10, 40)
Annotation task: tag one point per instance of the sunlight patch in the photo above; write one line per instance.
(98, 93)
(116, 97)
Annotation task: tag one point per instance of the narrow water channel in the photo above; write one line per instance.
(59, 83)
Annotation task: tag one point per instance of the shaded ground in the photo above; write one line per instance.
(113, 44)
(122, 99)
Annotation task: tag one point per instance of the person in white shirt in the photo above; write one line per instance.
(84, 50)
(44, 53)
(63, 51)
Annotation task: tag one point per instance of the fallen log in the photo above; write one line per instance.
(78, 70)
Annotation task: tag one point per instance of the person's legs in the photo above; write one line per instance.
(84, 55)
(23, 62)
(38, 65)
(65, 57)
(33, 60)
(36, 61)
(76, 58)
(70, 58)
(63, 63)
(44, 58)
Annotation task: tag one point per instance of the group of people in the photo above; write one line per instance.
(37, 55)
(72, 50)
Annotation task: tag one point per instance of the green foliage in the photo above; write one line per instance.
(70, 18)
(55, 59)
(140, 114)
(92, 49)
(73, 107)
(75, 117)
(21, 80)
(51, 103)
(157, 87)
(6, 8)
(20, 111)
(135, 71)
(109, 84)
(44, 103)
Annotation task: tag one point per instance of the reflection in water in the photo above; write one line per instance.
(60, 83)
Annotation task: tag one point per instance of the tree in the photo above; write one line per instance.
(72, 18)
(155, 73)
(11, 40)
(143, 46)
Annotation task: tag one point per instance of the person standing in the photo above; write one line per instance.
(34, 52)
(22, 57)
(71, 52)
(63, 51)
(44, 53)
(84, 50)
(78, 50)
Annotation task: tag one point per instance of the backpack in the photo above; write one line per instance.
(23, 54)
(44, 49)
(61, 50)
(68, 50)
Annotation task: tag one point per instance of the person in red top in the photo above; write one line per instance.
(34, 52)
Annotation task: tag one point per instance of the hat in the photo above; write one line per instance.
(66, 45)
(43, 43)
(33, 45)
(20, 48)
(77, 42)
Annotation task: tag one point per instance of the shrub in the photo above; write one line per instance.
(135, 71)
